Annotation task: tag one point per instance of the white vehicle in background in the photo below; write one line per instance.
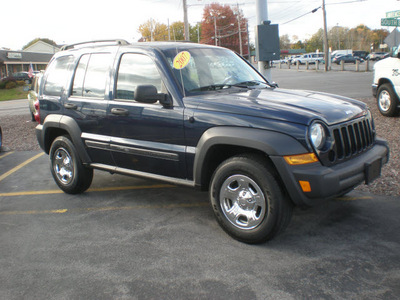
(311, 58)
(386, 85)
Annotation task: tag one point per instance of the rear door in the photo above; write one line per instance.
(87, 103)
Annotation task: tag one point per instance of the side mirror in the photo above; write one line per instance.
(148, 94)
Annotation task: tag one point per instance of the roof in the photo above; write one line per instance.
(122, 43)
(9, 57)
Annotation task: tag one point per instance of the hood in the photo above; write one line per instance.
(296, 106)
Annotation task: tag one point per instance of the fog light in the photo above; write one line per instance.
(305, 186)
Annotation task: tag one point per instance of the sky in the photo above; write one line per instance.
(72, 21)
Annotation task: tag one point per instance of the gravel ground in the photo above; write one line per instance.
(19, 135)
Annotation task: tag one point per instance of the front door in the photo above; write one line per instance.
(145, 137)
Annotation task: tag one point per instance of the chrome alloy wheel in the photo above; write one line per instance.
(243, 202)
(63, 166)
(384, 100)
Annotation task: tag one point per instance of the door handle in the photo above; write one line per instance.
(120, 111)
(70, 106)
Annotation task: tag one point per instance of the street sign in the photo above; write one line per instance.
(393, 14)
(390, 22)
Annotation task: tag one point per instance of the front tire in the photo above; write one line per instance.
(248, 201)
(387, 100)
(66, 167)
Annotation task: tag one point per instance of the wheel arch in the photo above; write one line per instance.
(384, 80)
(58, 125)
(220, 143)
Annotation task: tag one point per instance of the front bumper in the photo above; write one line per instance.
(374, 89)
(334, 181)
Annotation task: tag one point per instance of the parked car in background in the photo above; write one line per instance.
(292, 59)
(378, 55)
(348, 58)
(361, 54)
(33, 96)
(22, 76)
(386, 85)
(311, 58)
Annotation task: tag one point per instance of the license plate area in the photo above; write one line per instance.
(372, 170)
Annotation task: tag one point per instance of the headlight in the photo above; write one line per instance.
(317, 135)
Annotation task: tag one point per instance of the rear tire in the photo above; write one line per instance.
(387, 100)
(67, 168)
(248, 201)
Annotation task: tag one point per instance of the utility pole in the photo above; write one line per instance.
(185, 20)
(215, 30)
(264, 67)
(240, 33)
(326, 46)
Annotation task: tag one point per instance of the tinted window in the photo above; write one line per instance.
(57, 75)
(77, 88)
(134, 70)
(91, 75)
(96, 75)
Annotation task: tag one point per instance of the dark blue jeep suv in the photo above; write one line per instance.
(201, 116)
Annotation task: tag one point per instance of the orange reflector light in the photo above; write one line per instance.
(305, 186)
(301, 159)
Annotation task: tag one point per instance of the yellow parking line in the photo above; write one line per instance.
(7, 154)
(104, 189)
(107, 208)
(20, 166)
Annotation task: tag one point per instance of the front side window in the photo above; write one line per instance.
(134, 70)
(58, 75)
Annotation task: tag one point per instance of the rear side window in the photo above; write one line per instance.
(58, 75)
(91, 75)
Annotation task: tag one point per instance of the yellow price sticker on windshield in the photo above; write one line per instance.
(181, 60)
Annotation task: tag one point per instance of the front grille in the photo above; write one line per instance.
(349, 140)
(352, 139)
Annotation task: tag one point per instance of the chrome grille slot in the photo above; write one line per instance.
(351, 139)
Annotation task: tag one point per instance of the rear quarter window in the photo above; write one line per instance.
(57, 75)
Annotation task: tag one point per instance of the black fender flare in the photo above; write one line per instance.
(271, 143)
(69, 125)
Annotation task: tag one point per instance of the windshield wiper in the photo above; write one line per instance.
(211, 87)
(252, 83)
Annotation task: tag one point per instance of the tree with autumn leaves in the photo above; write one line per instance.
(220, 25)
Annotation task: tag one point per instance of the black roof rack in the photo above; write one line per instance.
(113, 42)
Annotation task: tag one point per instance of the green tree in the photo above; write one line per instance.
(298, 45)
(284, 42)
(315, 42)
(337, 37)
(153, 31)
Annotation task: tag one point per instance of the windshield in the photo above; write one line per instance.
(204, 70)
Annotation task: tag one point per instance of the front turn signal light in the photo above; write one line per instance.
(301, 159)
(305, 186)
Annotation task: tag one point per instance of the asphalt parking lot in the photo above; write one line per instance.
(129, 238)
